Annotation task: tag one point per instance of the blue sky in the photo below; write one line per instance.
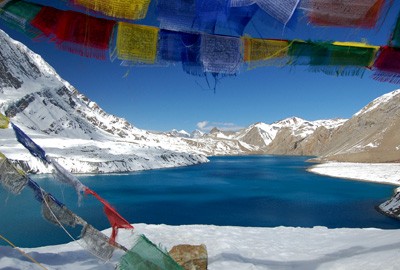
(163, 98)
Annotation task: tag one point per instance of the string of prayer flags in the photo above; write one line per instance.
(125, 9)
(387, 65)
(62, 175)
(116, 220)
(282, 10)
(356, 13)
(30, 145)
(14, 180)
(137, 43)
(11, 178)
(56, 213)
(261, 52)
(18, 15)
(146, 255)
(220, 54)
(4, 121)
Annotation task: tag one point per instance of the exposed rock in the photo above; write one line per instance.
(371, 135)
(190, 257)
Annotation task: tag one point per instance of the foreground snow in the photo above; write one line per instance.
(240, 248)
(387, 173)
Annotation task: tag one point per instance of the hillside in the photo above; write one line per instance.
(69, 126)
(371, 135)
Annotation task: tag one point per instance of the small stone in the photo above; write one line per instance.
(190, 257)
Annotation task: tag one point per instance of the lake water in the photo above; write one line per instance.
(265, 191)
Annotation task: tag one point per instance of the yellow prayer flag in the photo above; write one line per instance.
(4, 121)
(137, 43)
(127, 9)
(263, 49)
(258, 50)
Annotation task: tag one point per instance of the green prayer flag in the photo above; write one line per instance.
(144, 255)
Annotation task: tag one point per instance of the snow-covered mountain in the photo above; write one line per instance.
(69, 126)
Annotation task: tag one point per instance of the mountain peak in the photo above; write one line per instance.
(378, 101)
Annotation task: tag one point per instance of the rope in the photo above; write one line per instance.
(22, 252)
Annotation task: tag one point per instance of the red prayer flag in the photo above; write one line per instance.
(46, 20)
(116, 220)
(387, 65)
(75, 32)
(356, 13)
(388, 60)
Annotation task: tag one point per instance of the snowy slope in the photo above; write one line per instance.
(69, 126)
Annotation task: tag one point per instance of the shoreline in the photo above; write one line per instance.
(380, 173)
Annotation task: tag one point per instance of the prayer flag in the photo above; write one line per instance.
(339, 58)
(18, 15)
(356, 13)
(11, 178)
(137, 43)
(387, 65)
(171, 45)
(116, 220)
(56, 213)
(191, 63)
(76, 32)
(220, 54)
(146, 255)
(258, 52)
(62, 175)
(96, 242)
(84, 35)
(27, 142)
(47, 21)
(36, 189)
(126, 9)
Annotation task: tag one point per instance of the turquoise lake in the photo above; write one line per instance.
(262, 191)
